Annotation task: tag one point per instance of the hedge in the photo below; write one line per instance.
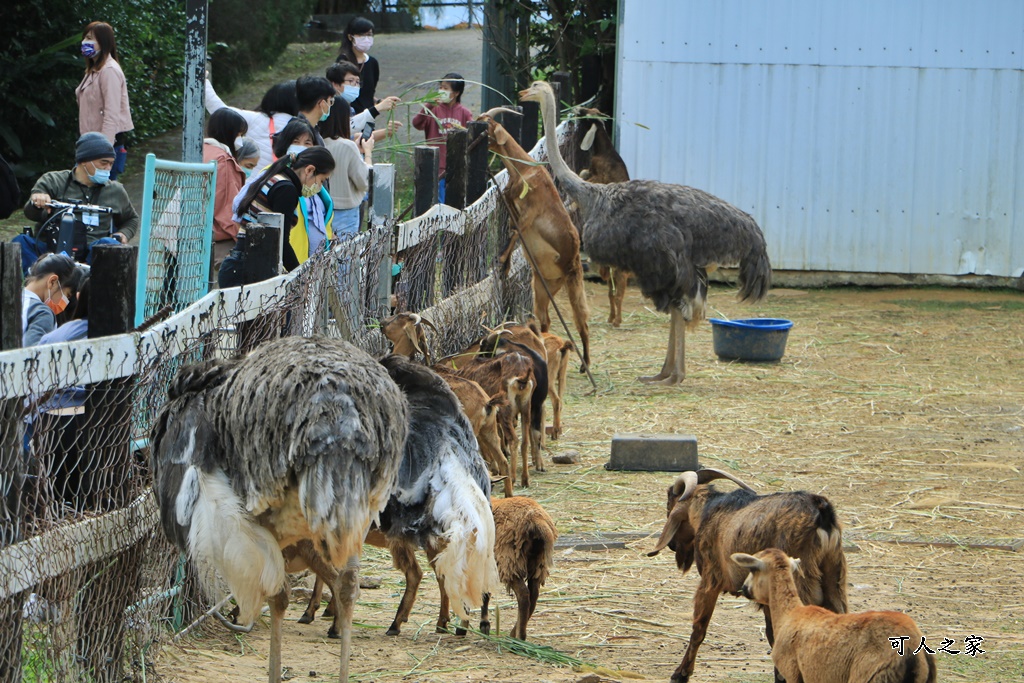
(42, 64)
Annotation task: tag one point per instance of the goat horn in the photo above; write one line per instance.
(415, 317)
(675, 519)
(709, 474)
(498, 110)
(686, 484)
(427, 323)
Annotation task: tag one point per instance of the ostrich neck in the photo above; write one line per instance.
(573, 184)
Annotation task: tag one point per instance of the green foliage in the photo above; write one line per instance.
(247, 35)
(575, 36)
(42, 65)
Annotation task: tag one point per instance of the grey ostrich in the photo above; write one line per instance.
(668, 236)
(300, 441)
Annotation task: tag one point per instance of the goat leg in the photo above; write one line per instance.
(523, 600)
(485, 623)
(704, 601)
(278, 605)
(444, 613)
(314, 602)
(404, 559)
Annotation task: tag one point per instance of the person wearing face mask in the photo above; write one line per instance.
(278, 106)
(88, 183)
(223, 136)
(316, 97)
(278, 189)
(344, 76)
(48, 290)
(352, 162)
(103, 93)
(295, 137)
(355, 48)
(447, 113)
(248, 155)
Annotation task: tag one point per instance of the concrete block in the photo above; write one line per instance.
(653, 453)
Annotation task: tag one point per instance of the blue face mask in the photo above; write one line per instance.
(247, 171)
(100, 176)
(89, 48)
(350, 93)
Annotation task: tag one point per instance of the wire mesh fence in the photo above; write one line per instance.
(177, 229)
(89, 587)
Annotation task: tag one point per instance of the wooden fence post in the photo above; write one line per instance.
(456, 168)
(113, 479)
(453, 247)
(514, 125)
(531, 122)
(12, 468)
(426, 162)
(563, 93)
(476, 174)
(261, 262)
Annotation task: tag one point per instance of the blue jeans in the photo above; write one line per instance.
(440, 191)
(32, 249)
(346, 222)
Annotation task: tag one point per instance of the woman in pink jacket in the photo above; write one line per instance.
(103, 93)
(224, 133)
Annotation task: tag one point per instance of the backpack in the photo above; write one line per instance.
(10, 193)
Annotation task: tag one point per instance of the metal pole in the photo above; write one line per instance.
(196, 13)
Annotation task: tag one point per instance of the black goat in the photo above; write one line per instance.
(708, 526)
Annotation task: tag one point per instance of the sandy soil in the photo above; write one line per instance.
(904, 407)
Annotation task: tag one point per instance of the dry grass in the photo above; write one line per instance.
(904, 407)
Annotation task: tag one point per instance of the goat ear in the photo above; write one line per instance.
(588, 139)
(501, 135)
(679, 514)
(747, 561)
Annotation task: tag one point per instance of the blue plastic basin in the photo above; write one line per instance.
(752, 339)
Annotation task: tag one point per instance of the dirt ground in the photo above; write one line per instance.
(904, 406)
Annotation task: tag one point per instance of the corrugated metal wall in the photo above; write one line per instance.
(869, 136)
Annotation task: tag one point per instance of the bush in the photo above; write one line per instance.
(248, 35)
(42, 65)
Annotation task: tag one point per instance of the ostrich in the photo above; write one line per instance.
(668, 236)
(441, 502)
(300, 441)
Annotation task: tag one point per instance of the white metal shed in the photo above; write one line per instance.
(878, 136)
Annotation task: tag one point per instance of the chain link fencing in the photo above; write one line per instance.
(90, 589)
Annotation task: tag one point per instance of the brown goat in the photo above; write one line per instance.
(557, 354)
(524, 544)
(709, 526)
(606, 166)
(511, 375)
(546, 230)
(814, 645)
(405, 332)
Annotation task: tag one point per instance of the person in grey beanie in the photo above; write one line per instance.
(88, 183)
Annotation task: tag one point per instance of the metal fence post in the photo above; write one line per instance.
(196, 13)
(382, 210)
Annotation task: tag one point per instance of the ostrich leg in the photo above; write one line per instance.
(346, 590)
(674, 369)
(278, 605)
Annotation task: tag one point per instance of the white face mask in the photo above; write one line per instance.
(239, 142)
(363, 43)
(296, 149)
(444, 96)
